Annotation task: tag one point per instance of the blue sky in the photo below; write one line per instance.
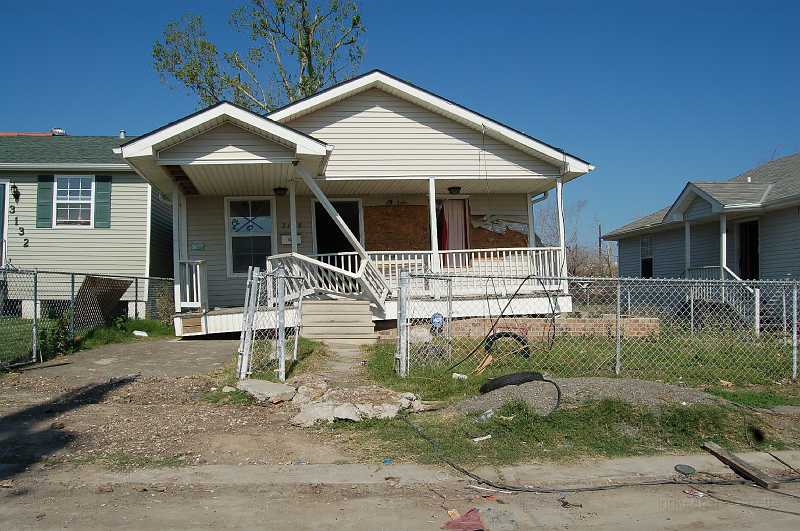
(652, 93)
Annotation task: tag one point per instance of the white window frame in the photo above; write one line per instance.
(229, 236)
(335, 200)
(7, 218)
(55, 224)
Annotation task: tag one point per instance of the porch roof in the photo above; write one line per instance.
(283, 145)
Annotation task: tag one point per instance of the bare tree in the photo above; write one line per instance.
(298, 47)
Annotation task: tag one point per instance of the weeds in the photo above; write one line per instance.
(606, 428)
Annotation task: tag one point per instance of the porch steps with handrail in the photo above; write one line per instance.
(338, 321)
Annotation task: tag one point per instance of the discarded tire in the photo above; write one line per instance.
(524, 351)
(517, 378)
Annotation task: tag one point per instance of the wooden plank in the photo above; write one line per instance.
(741, 467)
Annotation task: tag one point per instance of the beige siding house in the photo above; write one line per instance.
(348, 188)
(72, 205)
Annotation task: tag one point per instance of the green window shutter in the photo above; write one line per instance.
(102, 202)
(44, 202)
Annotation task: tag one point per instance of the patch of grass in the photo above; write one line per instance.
(787, 395)
(310, 356)
(671, 355)
(606, 428)
(122, 332)
(233, 398)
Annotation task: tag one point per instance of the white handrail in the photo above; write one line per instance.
(192, 277)
(321, 276)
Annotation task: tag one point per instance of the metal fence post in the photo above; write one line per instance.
(691, 308)
(35, 328)
(246, 339)
(136, 298)
(618, 356)
(401, 363)
(757, 310)
(794, 333)
(784, 312)
(281, 318)
(72, 308)
(450, 317)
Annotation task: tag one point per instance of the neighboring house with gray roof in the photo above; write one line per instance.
(746, 227)
(72, 204)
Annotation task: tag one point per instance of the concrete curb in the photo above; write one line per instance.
(584, 473)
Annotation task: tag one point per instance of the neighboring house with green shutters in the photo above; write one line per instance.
(71, 204)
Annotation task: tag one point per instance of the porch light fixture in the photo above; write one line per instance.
(454, 190)
(280, 191)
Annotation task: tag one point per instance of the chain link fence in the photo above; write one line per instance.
(673, 330)
(271, 323)
(43, 313)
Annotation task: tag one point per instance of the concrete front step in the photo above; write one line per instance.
(326, 319)
(344, 319)
(338, 330)
(342, 307)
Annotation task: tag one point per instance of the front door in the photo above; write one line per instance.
(453, 225)
(328, 237)
(748, 250)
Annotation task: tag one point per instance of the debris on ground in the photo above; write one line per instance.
(226, 389)
(140, 333)
(105, 488)
(565, 504)
(484, 438)
(355, 404)
(541, 396)
(263, 390)
(469, 521)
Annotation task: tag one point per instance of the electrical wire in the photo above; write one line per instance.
(555, 490)
(502, 313)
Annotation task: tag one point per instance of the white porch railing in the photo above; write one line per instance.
(309, 273)
(734, 292)
(192, 280)
(544, 262)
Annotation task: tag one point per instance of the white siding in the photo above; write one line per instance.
(119, 250)
(698, 208)
(779, 251)
(226, 142)
(206, 226)
(377, 134)
(160, 235)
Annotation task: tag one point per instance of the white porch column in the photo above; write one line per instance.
(561, 238)
(687, 247)
(435, 263)
(293, 213)
(723, 245)
(180, 246)
(352, 239)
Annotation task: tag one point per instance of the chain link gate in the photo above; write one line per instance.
(699, 331)
(271, 323)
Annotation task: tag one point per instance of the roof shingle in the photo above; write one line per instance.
(777, 180)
